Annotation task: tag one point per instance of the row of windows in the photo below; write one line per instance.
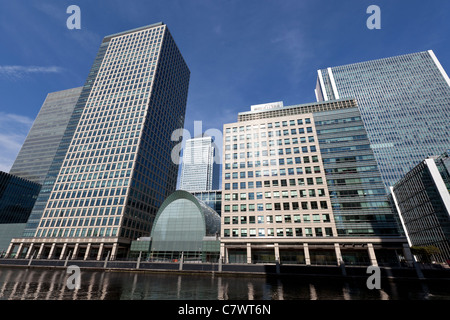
(271, 152)
(86, 202)
(279, 142)
(269, 125)
(275, 194)
(275, 183)
(82, 178)
(270, 134)
(81, 212)
(272, 172)
(287, 218)
(77, 232)
(271, 162)
(79, 222)
(287, 206)
(278, 232)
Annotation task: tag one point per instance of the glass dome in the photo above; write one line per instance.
(182, 222)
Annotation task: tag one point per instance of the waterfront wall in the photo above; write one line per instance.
(429, 272)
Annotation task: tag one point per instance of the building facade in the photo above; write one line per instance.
(300, 185)
(405, 105)
(422, 199)
(117, 169)
(200, 171)
(36, 155)
(212, 199)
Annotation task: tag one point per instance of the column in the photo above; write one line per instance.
(75, 251)
(408, 255)
(19, 250)
(30, 250)
(40, 251)
(100, 251)
(373, 258)
(63, 251)
(10, 247)
(307, 258)
(340, 260)
(113, 252)
(337, 249)
(222, 252)
(52, 249)
(249, 253)
(277, 252)
(87, 251)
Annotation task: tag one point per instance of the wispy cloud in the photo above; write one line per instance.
(13, 131)
(19, 72)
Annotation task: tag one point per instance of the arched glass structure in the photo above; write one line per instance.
(183, 224)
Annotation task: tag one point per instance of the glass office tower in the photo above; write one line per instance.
(200, 171)
(117, 167)
(36, 155)
(405, 105)
(300, 185)
(422, 198)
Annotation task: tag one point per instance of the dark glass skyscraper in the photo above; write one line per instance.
(17, 197)
(404, 103)
(422, 198)
(114, 166)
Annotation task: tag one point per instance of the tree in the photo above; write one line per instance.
(425, 252)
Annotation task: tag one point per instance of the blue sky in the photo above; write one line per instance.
(240, 52)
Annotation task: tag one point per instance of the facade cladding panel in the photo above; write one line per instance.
(36, 155)
(422, 198)
(405, 105)
(17, 198)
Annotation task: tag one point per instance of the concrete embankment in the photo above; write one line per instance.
(234, 269)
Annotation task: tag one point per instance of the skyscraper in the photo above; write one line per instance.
(36, 155)
(115, 168)
(422, 198)
(301, 185)
(200, 171)
(405, 105)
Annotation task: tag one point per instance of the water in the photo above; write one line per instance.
(49, 284)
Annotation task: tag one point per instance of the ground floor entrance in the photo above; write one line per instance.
(386, 252)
